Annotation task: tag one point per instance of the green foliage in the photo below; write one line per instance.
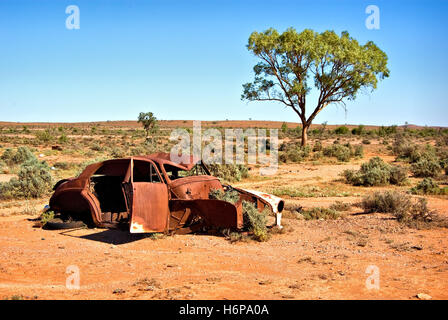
(343, 152)
(63, 138)
(340, 206)
(293, 153)
(358, 131)
(46, 216)
(385, 131)
(255, 221)
(318, 213)
(44, 135)
(284, 127)
(376, 173)
(231, 196)
(229, 172)
(150, 124)
(22, 155)
(428, 186)
(34, 180)
(426, 167)
(337, 65)
(317, 146)
(341, 130)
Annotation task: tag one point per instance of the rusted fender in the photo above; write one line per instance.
(275, 203)
(215, 213)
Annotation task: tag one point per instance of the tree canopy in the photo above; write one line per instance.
(149, 123)
(291, 62)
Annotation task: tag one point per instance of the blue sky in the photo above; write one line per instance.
(188, 59)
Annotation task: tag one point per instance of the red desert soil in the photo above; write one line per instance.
(312, 260)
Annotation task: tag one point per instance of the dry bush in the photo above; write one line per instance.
(318, 213)
(428, 186)
(229, 172)
(376, 172)
(404, 208)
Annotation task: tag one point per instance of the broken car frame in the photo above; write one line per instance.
(153, 194)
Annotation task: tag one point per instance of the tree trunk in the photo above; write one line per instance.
(304, 134)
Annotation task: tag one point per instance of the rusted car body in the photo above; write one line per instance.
(153, 194)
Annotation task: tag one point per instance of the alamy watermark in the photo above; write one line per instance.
(73, 20)
(373, 280)
(373, 20)
(208, 146)
(73, 280)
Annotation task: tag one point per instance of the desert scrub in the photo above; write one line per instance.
(231, 196)
(376, 172)
(340, 206)
(318, 213)
(426, 167)
(293, 152)
(46, 216)
(343, 152)
(21, 155)
(34, 180)
(229, 172)
(317, 146)
(255, 221)
(403, 207)
(428, 186)
(309, 192)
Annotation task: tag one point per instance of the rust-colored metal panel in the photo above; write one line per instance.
(150, 211)
(194, 187)
(214, 213)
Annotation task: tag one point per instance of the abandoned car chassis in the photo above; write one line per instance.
(153, 194)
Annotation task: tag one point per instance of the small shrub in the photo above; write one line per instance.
(229, 172)
(317, 146)
(426, 167)
(428, 186)
(34, 180)
(359, 151)
(44, 135)
(398, 175)
(358, 131)
(22, 155)
(376, 173)
(340, 206)
(255, 221)
(46, 216)
(231, 196)
(318, 213)
(366, 141)
(64, 165)
(117, 153)
(341, 152)
(401, 205)
(341, 130)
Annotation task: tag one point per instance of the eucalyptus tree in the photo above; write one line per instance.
(292, 63)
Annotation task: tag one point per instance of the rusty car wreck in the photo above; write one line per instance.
(147, 194)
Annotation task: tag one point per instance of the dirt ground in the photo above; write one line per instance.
(314, 260)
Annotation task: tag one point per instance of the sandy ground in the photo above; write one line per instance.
(312, 260)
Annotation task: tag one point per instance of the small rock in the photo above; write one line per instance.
(423, 296)
(118, 291)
